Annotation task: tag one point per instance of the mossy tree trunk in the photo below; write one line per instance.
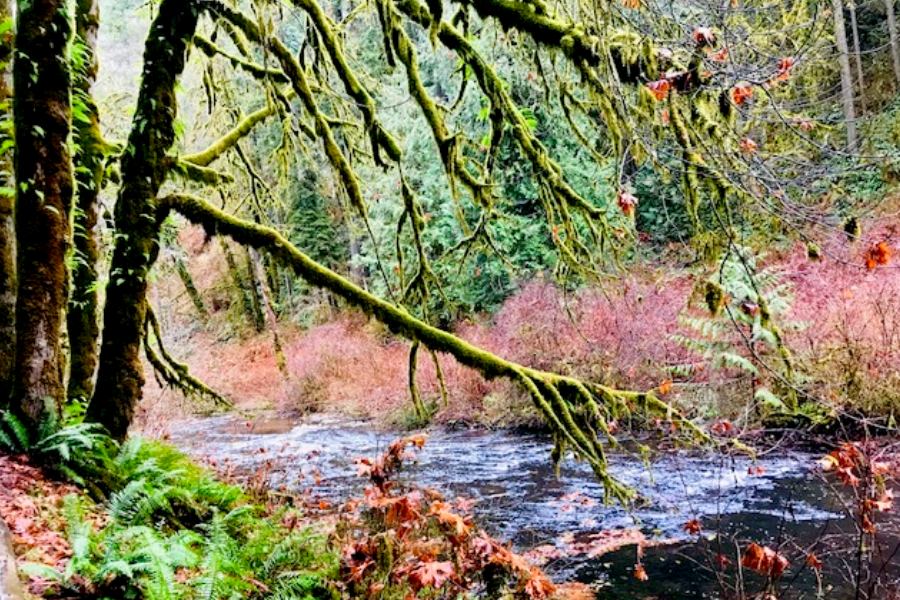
(262, 290)
(83, 318)
(188, 281)
(43, 173)
(857, 57)
(144, 169)
(255, 295)
(241, 285)
(7, 217)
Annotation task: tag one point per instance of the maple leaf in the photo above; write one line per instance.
(640, 573)
(538, 585)
(659, 88)
(784, 68)
(627, 202)
(632, 4)
(693, 527)
(764, 560)
(756, 470)
(814, 562)
(741, 94)
(884, 503)
(720, 55)
(721, 561)
(868, 525)
(722, 427)
(430, 574)
(665, 387)
(878, 254)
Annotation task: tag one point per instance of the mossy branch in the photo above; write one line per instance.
(171, 371)
(575, 410)
(198, 174)
(254, 70)
(380, 137)
(206, 157)
(300, 83)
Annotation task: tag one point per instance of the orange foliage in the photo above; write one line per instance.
(765, 561)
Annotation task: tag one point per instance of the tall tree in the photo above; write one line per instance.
(843, 49)
(893, 38)
(83, 322)
(44, 183)
(145, 165)
(7, 211)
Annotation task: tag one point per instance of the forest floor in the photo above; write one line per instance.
(31, 505)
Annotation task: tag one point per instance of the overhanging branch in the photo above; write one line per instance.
(577, 411)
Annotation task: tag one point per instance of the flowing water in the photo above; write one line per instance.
(780, 499)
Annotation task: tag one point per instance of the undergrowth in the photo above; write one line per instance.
(171, 530)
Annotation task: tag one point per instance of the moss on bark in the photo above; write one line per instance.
(7, 217)
(44, 179)
(84, 309)
(144, 169)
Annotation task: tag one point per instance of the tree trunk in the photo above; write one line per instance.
(893, 37)
(43, 118)
(257, 267)
(7, 222)
(840, 39)
(256, 300)
(185, 275)
(240, 282)
(83, 319)
(857, 57)
(144, 168)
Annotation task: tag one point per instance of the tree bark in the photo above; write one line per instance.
(893, 37)
(144, 168)
(857, 58)
(7, 220)
(840, 39)
(257, 267)
(190, 287)
(43, 119)
(241, 285)
(255, 291)
(83, 318)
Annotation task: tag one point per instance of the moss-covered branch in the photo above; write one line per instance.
(206, 157)
(576, 410)
(301, 85)
(257, 71)
(380, 137)
(170, 370)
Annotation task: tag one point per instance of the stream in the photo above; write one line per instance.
(780, 499)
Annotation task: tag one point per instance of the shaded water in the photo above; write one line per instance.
(519, 497)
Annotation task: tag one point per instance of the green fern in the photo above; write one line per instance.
(754, 300)
(14, 437)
